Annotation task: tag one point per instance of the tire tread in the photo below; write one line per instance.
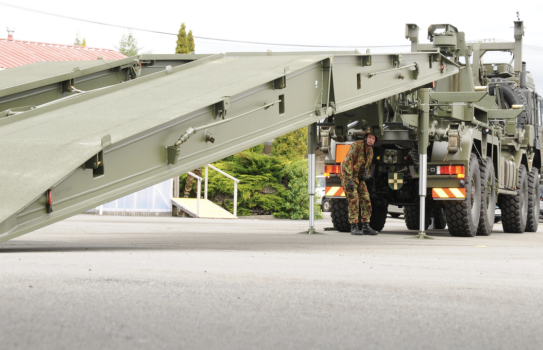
(533, 200)
(378, 216)
(486, 169)
(339, 212)
(412, 219)
(511, 207)
(458, 212)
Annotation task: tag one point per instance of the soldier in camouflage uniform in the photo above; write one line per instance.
(190, 181)
(355, 170)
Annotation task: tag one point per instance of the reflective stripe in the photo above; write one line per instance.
(457, 193)
(330, 191)
(334, 191)
(441, 193)
(448, 193)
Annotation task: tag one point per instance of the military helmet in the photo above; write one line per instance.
(367, 132)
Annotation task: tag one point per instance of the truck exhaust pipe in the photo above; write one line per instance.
(523, 76)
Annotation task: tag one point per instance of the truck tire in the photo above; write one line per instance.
(488, 198)
(515, 208)
(412, 219)
(463, 216)
(378, 215)
(512, 96)
(440, 219)
(533, 201)
(339, 212)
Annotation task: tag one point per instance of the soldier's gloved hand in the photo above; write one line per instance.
(366, 177)
(350, 184)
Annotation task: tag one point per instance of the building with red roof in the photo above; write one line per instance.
(14, 53)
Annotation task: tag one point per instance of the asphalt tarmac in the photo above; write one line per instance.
(104, 282)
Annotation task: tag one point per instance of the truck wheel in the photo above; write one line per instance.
(511, 96)
(488, 198)
(533, 201)
(463, 216)
(515, 208)
(411, 216)
(440, 219)
(340, 214)
(378, 215)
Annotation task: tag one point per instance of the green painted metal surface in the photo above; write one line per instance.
(43, 82)
(125, 129)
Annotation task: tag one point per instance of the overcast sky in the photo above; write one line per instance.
(357, 24)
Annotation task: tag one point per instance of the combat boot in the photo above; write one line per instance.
(355, 230)
(367, 230)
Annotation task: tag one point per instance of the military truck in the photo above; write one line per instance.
(75, 135)
(476, 135)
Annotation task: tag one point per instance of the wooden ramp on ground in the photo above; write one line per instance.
(208, 209)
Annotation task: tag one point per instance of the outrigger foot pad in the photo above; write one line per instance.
(311, 231)
(421, 235)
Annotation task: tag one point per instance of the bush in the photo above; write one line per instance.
(260, 190)
(251, 163)
(292, 145)
(274, 184)
(296, 200)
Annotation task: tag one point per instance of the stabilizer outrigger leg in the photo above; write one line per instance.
(311, 146)
(424, 122)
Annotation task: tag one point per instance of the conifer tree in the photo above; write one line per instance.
(182, 44)
(84, 42)
(128, 45)
(190, 42)
(77, 41)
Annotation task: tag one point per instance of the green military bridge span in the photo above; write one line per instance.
(74, 135)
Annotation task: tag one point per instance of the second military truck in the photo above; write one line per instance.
(482, 136)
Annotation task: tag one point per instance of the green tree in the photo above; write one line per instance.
(182, 42)
(190, 42)
(84, 42)
(128, 45)
(77, 41)
(292, 145)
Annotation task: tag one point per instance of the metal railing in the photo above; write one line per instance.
(236, 182)
(198, 191)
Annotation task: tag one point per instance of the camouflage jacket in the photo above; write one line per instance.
(357, 162)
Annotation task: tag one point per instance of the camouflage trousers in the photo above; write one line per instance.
(190, 181)
(359, 202)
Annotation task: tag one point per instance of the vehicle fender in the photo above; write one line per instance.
(521, 158)
(440, 152)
